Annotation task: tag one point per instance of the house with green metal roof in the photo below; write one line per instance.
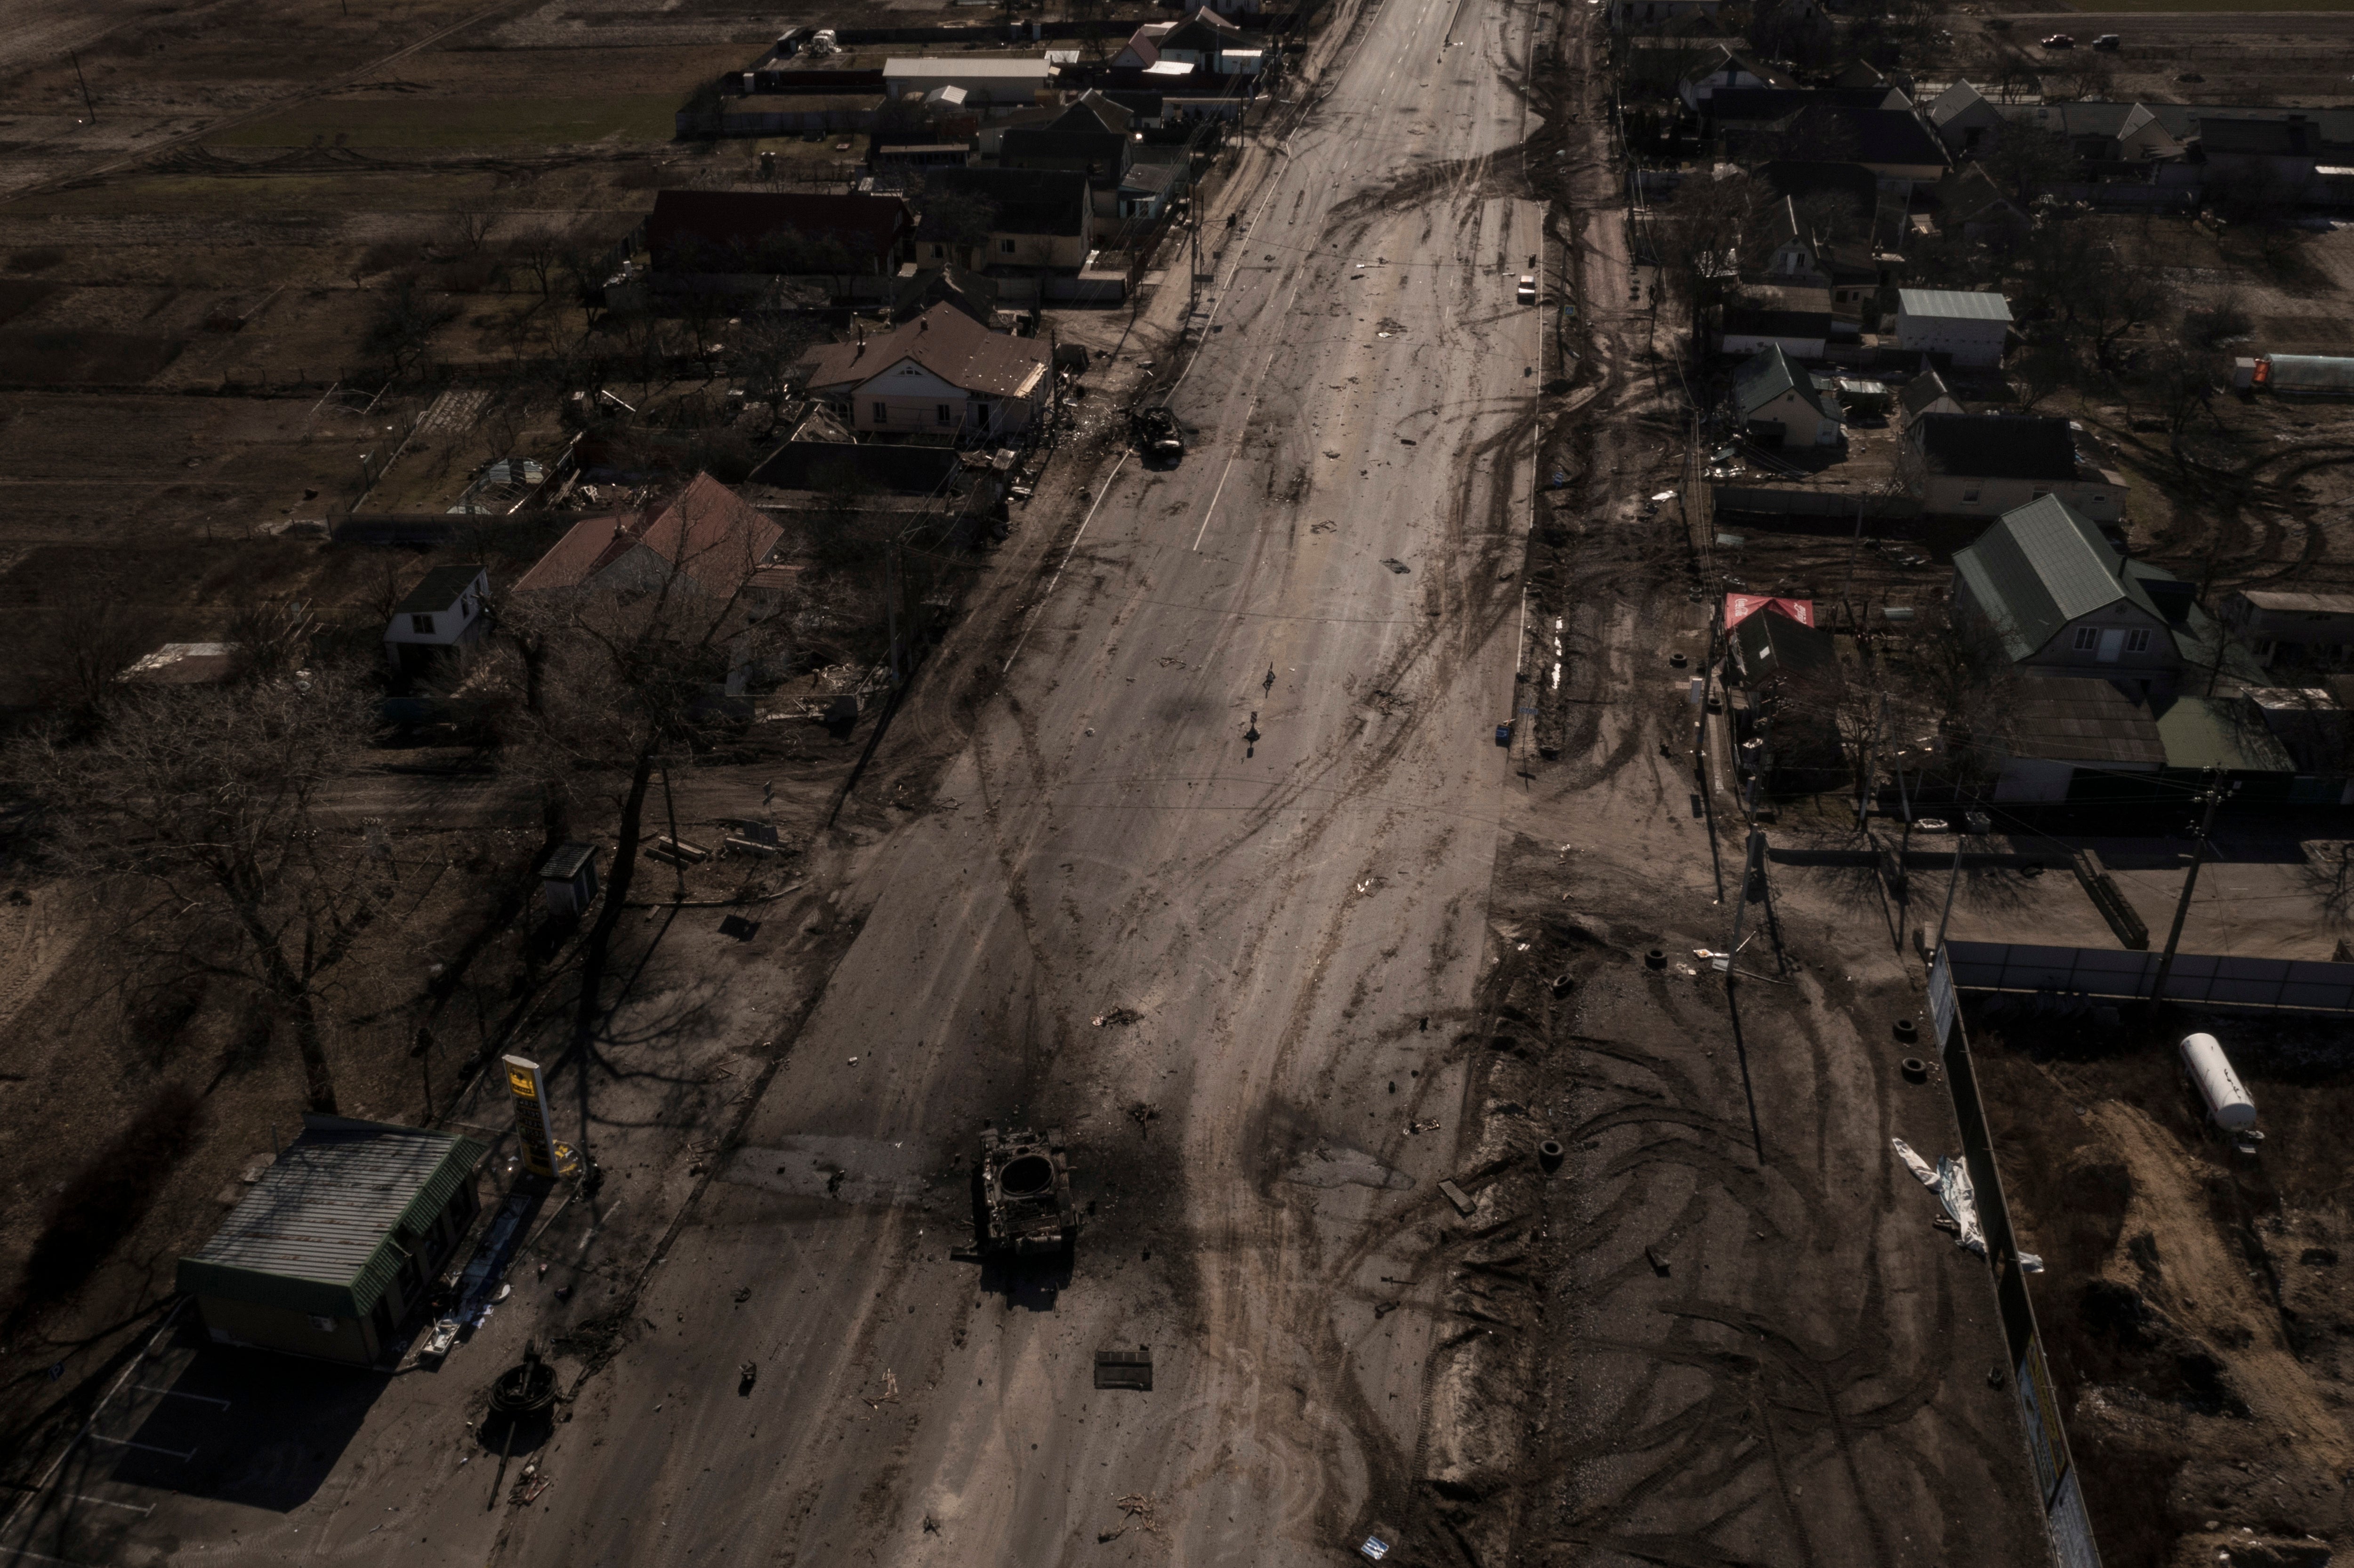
(2059, 599)
(1777, 404)
(339, 1242)
(2229, 735)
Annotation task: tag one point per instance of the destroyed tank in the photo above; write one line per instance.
(1154, 434)
(1023, 1196)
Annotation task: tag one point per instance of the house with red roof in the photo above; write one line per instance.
(708, 537)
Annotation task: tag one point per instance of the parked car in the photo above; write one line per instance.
(2107, 41)
(2060, 41)
(1527, 289)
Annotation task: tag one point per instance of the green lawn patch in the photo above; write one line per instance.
(462, 123)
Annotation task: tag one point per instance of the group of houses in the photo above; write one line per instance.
(1921, 146)
(2119, 683)
(1047, 198)
(1859, 164)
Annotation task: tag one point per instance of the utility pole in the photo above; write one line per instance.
(1904, 848)
(87, 102)
(1700, 754)
(1752, 885)
(1979, 826)
(2213, 797)
(1871, 765)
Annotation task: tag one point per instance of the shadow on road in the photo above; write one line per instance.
(248, 1427)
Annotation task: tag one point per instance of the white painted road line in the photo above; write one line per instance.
(144, 1448)
(110, 1502)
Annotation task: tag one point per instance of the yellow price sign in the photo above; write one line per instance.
(531, 1118)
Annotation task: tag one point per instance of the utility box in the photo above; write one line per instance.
(568, 882)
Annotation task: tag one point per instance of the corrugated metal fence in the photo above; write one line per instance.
(2114, 973)
(2059, 1488)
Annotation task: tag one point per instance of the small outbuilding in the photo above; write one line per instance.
(338, 1244)
(984, 78)
(1970, 328)
(1777, 404)
(441, 614)
(568, 880)
(1926, 395)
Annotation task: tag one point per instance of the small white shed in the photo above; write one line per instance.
(442, 612)
(1970, 328)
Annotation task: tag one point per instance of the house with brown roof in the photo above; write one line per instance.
(942, 374)
(708, 537)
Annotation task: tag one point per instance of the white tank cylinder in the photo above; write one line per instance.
(2228, 1104)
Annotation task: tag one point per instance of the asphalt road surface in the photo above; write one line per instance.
(1280, 880)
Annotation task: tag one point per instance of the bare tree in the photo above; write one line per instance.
(92, 637)
(404, 323)
(766, 346)
(541, 255)
(205, 804)
(2180, 382)
(1698, 235)
(1833, 215)
(472, 229)
(2028, 157)
(269, 640)
(624, 675)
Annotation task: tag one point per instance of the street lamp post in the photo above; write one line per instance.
(2213, 795)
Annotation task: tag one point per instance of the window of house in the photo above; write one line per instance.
(1005, 248)
(940, 252)
(944, 417)
(2087, 638)
(1970, 493)
(2137, 641)
(882, 413)
(421, 624)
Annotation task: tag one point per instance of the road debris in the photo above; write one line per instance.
(1464, 1204)
(1139, 1508)
(1118, 1016)
(1396, 565)
(1125, 1368)
(890, 1394)
(1950, 1180)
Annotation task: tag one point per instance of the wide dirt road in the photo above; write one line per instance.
(1282, 915)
